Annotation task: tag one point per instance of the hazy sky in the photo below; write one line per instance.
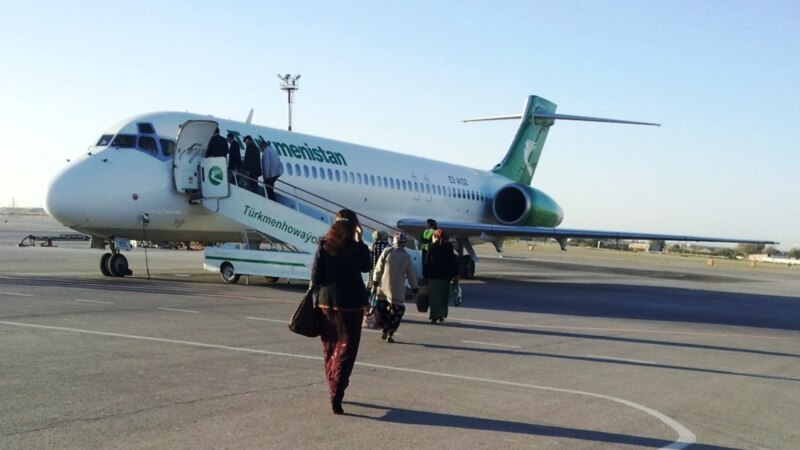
(723, 77)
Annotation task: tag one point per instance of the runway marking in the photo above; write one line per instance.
(284, 321)
(179, 310)
(493, 345)
(267, 320)
(16, 294)
(685, 436)
(93, 301)
(638, 361)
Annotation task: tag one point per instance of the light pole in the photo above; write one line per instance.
(289, 84)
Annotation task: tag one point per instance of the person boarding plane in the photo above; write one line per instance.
(146, 178)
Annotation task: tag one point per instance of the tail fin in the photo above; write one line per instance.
(522, 158)
(520, 162)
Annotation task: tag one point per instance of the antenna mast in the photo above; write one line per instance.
(289, 84)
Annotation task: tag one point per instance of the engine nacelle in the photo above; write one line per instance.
(517, 204)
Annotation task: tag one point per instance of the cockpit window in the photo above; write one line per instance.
(168, 147)
(148, 144)
(124, 141)
(104, 140)
(146, 128)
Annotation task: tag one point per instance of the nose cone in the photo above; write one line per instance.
(66, 196)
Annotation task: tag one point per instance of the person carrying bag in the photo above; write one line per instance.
(393, 269)
(338, 264)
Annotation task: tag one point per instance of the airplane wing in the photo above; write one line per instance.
(466, 229)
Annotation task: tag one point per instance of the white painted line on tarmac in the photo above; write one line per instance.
(16, 294)
(611, 358)
(492, 344)
(82, 300)
(267, 320)
(685, 436)
(179, 310)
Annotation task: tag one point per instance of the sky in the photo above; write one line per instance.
(722, 77)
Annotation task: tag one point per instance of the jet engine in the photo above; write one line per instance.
(517, 204)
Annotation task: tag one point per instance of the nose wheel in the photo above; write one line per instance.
(114, 265)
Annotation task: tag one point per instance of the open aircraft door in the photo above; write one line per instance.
(190, 149)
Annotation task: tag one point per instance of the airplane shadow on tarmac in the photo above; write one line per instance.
(636, 302)
(598, 359)
(539, 332)
(426, 418)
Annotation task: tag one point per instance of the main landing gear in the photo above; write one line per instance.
(114, 264)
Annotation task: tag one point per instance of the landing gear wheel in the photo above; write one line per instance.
(118, 265)
(104, 264)
(466, 267)
(272, 279)
(228, 274)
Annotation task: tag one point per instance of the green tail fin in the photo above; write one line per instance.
(522, 158)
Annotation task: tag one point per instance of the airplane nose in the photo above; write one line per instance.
(65, 199)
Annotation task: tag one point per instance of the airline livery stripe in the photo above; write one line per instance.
(255, 261)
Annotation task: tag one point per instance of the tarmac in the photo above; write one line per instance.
(561, 350)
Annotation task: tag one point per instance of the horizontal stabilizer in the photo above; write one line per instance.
(552, 116)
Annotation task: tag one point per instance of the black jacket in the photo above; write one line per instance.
(339, 277)
(234, 156)
(217, 146)
(440, 261)
(252, 161)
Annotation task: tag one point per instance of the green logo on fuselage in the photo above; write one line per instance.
(215, 175)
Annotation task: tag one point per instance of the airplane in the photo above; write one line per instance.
(146, 178)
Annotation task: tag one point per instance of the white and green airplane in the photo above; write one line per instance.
(146, 178)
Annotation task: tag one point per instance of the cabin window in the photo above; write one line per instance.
(322, 173)
(330, 174)
(372, 180)
(305, 171)
(289, 169)
(124, 141)
(314, 171)
(148, 144)
(167, 147)
(104, 140)
(338, 175)
(297, 170)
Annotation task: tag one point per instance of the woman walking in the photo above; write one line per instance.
(439, 269)
(341, 258)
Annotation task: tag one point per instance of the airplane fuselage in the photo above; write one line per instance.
(106, 192)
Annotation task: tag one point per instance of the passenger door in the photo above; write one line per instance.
(190, 149)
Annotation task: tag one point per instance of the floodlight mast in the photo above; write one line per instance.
(289, 84)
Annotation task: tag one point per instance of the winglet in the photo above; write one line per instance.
(249, 117)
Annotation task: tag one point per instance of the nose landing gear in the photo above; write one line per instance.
(114, 264)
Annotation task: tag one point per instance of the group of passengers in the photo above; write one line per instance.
(343, 298)
(260, 161)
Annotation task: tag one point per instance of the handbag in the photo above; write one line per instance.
(372, 319)
(305, 320)
(455, 293)
(422, 299)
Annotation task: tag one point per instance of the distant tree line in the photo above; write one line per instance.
(740, 251)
